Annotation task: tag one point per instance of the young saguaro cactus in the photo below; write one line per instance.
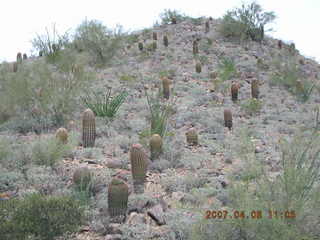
(255, 88)
(192, 137)
(155, 146)
(198, 67)
(165, 41)
(207, 27)
(138, 160)
(118, 193)
(88, 128)
(154, 36)
(19, 57)
(227, 118)
(62, 135)
(195, 47)
(166, 87)
(234, 92)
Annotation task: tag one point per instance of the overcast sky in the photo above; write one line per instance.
(297, 20)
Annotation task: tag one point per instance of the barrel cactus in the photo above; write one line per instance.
(228, 118)
(234, 92)
(165, 41)
(192, 137)
(207, 27)
(154, 36)
(198, 67)
(155, 146)
(279, 44)
(140, 46)
(25, 57)
(88, 128)
(138, 160)
(82, 178)
(62, 135)
(255, 88)
(166, 87)
(195, 47)
(19, 57)
(118, 193)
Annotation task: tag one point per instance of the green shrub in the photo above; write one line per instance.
(50, 44)
(168, 16)
(96, 39)
(251, 106)
(39, 217)
(246, 22)
(105, 106)
(227, 69)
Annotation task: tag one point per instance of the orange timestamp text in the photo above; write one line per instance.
(254, 214)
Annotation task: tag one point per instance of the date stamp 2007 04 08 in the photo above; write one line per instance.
(254, 214)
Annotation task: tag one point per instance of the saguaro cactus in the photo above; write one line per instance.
(25, 57)
(255, 88)
(118, 193)
(192, 137)
(88, 128)
(195, 47)
(166, 87)
(234, 92)
(227, 118)
(62, 135)
(165, 41)
(140, 46)
(139, 166)
(155, 146)
(198, 67)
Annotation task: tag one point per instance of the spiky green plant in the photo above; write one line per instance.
(139, 164)
(106, 106)
(88, 128)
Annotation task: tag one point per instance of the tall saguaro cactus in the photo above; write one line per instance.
(118, 193)
(88, 128)
(139, 166)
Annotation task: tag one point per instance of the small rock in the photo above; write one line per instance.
(114, 164)
(258, 149)
(113, 237)
(136, 219)
(156, 213)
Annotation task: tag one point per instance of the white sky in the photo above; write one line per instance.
(297, 20)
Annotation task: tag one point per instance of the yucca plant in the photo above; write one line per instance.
(104, 106)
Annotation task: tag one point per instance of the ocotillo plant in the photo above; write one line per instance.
(255, 88)
(155, 146)
(25, 57)
(195, 47)
(165, 40)
(62, 135)
(82, 178)
(88, 128)
(192, 137)
(198, 67)
(234, 92)
(227, 118)
(166, 87)
(154, 36)
(207, 27)
(140, 46)
(19, 57)
(118, 193)
(138, 160)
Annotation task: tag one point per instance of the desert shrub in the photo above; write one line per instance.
(40, 98)
(50, 44)
(99, 41)
(227, 69)
(168, 16)
(251, 106)
(48, 151)
(39, 217)
(246, 22)
(104, 105)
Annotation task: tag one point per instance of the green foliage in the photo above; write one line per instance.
(39, 217)
(227, 69)
(246, 22)
(251, 106)
(39, 98)
(50, 44)
(99, 41)
(48, 151)
(168, 16)
(105, 106)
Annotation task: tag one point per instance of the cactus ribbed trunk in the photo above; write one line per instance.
(165, 40)
(62, 135)
(195, 48)
(198, 67)
(255, 88)
(88, 128)
(234, 92)
(138, 161)
(118, 193)
(166, 87)
(155, 146)
(154, 36)
(227, 118)
(192, 137)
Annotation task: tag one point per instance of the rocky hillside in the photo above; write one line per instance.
(234, 162)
